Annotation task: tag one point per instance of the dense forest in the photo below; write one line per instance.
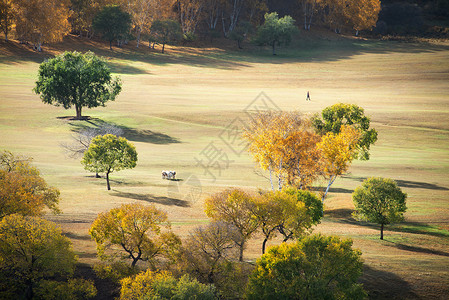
(42, 21)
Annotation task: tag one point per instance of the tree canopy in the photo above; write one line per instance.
(275, 31)
(109, 153)
(333, 117)
(76, 79)
(381, 201)
(31, 250)
(137, 230)
(113, 23)
(165, 31)
(315, 267)
(22, 189)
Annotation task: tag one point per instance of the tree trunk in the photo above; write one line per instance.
(163, 47)
(382, 231)
(110, 44)
(139, 30)
(78, 112)
(242, 246)
(271, 178)
(264, 243)
(274, 48)
(107, 180)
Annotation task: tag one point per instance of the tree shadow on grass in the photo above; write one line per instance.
(152, 199)
(132, 134)
(106, 288)
(385, 285)
(74, 236)
(415, 249)
(406, 183)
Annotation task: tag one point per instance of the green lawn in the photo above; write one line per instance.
(173, 106)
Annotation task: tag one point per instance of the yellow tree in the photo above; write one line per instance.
(22, 189)
(234, 206)
(337, 152)
(135, 229)
(7, 15)
(189, 14)
(363, 14)
(42, 21)
(285, 144)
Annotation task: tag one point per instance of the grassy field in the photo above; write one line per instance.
(174, 106)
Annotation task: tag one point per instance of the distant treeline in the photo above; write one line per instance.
(39, 21)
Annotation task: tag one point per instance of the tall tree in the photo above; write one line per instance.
(137, 230)
(31, 250)
(6, 16)
(76, 79)
(315, 267)
(40, 21)
(22, 190)
(109, 153)
(275, 31)
(189, 13)
(234, 206)
(381, 201)
(337, 152)
(333, 117)
(113, 23)
(165, 31)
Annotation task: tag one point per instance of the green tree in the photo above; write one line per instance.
(275, 31)
(113, 23)
(135, 229)
(316, 267)
(109, 153)
(165, 31)
(162, 285)
(22, 190)
(381, 201)
(31, 250)
(333, 117)
(236, 207)
(240, 32)
(76, 79)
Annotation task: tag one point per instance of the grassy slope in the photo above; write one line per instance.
(174, 105)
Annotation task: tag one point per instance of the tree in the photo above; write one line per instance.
(363, 14)
(76, 79)
(285, 144)
(162, 285)
(113, 23)
(22, 190)
(135, 229)
(109, 153)
(165, 31)
(240, 33)
(333, 117)
(31, 250)
(189, 12)
(275, 31)
(337, 152)
(316, 267)
(40, 21)
(381, 201)
(290, 212)
(234, 206)
(209, 251)
(6, 16)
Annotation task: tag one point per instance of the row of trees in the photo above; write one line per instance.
(39, 21)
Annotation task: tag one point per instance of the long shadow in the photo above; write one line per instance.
(333, 190)
(152, 199)
(135, 135)
(81, 237)
(417, 249)
(385, 285)
(407, 184)
(305, 48)
(106, 288)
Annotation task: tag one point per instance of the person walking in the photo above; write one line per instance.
(308, 96)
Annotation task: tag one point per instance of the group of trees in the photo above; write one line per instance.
(40, 21)
(36, 260)
(299, 150)
(209, 262)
